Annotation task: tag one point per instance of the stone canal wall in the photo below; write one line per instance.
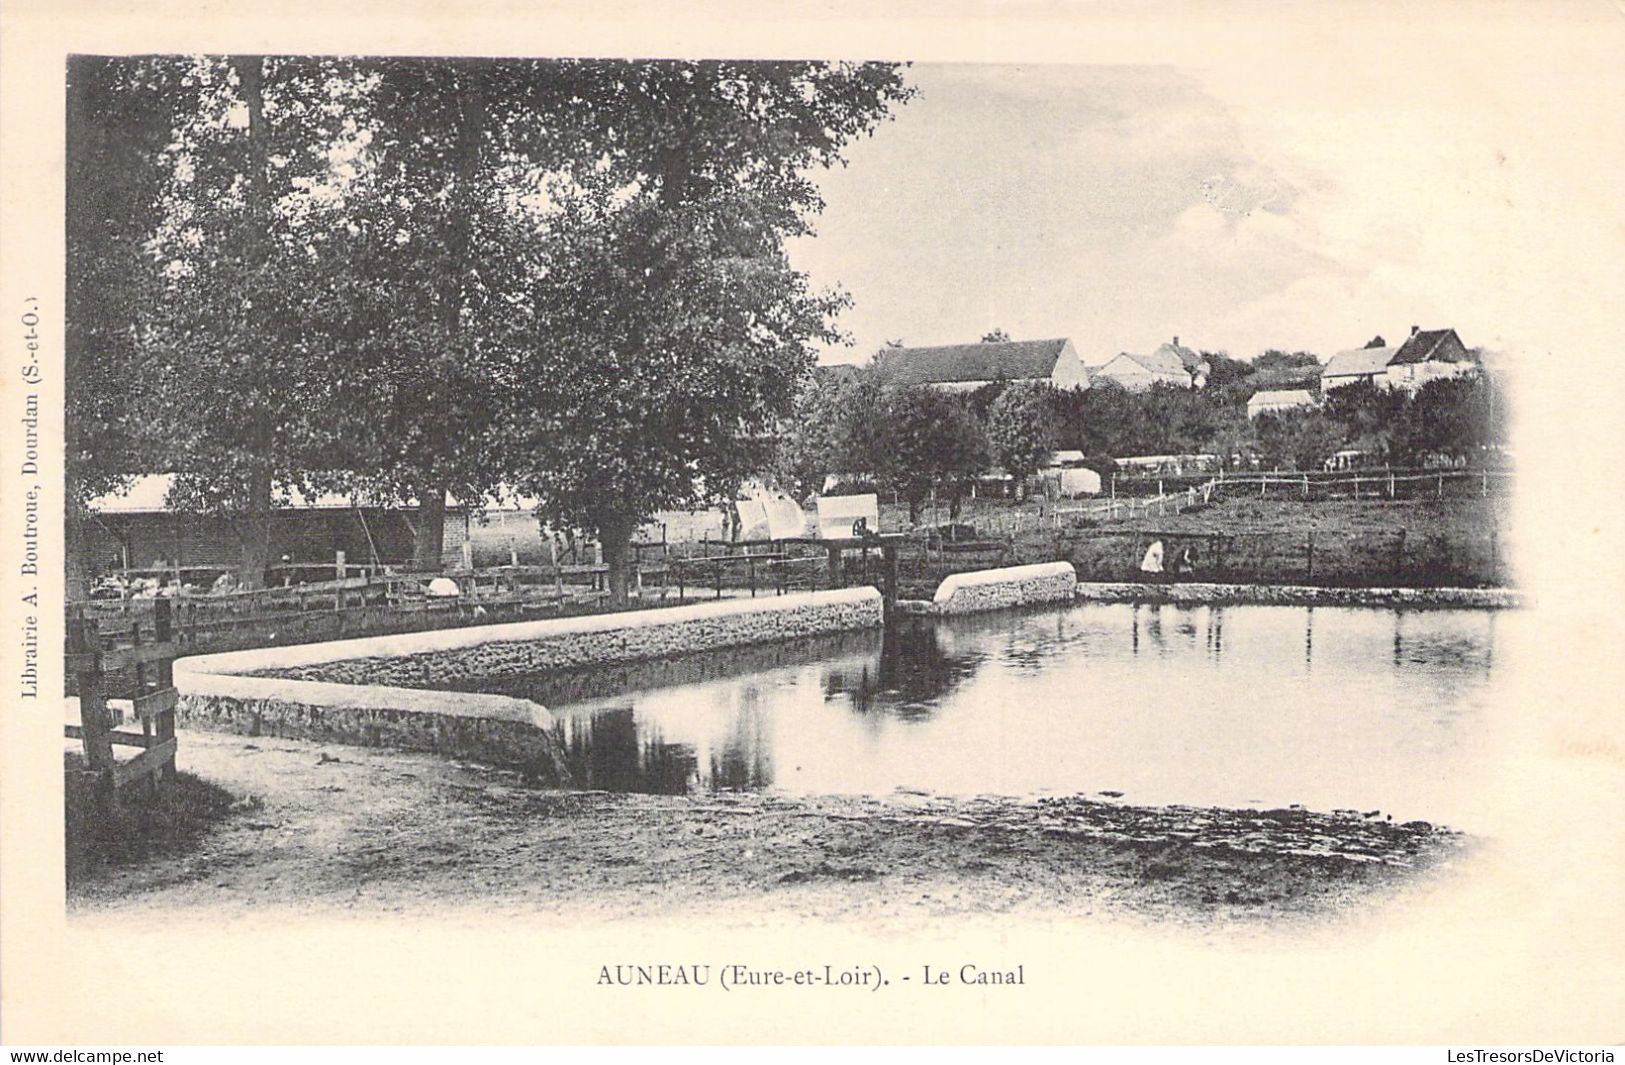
(454, 656)
(997, 589)
(1196, 593)
(383, 691)
(497, 729)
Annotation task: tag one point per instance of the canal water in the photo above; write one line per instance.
(1330, 708)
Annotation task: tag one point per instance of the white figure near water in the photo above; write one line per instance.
(1152, 562)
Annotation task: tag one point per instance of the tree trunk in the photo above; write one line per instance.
(75, 549)
(616, 537)
(429, 538)
(255, 534)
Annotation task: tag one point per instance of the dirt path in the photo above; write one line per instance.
(324, 827)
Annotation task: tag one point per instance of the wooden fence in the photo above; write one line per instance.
(133, 661)
(1281, 484)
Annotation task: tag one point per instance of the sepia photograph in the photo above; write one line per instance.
(941, 527)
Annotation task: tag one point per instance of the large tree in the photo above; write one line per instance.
(438, 239)
(192, 194)
(933, 442)
(1021, 430)
(671, 328)
(122, 116)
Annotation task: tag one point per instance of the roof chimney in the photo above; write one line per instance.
(1415, 329)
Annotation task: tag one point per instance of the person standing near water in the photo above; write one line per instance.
(1152, 562)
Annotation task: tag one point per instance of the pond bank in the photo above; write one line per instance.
(322, 827)
(1203, 593)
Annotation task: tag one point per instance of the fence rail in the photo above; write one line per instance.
(131, 658)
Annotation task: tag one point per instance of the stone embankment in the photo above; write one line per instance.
(1196, 593)
(998, 589)
(383, 691)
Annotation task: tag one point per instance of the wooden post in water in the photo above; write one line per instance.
(338, 574)
(888, 588)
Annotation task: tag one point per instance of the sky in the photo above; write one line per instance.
(1124, 205)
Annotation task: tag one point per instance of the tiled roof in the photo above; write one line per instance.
(1016, 360)
(1425, 344)
(149, 494)
(1284, 397)
(1160, 361)
(1359, 361)
(1188, 359)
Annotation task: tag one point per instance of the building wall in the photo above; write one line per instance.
(1411, 376)
(958, 386)
(1069, 371)
(1327, 383)
(1255, 409)
(147, 540)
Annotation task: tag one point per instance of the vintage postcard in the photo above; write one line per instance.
(1047, 524)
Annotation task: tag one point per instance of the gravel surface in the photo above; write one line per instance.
(321, 827)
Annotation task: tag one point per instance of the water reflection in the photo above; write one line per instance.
(918, 664)
(1330, 707)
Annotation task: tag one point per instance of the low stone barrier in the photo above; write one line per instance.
(497, 729)
(384, 691)
(1197, 593)
(1012, 586)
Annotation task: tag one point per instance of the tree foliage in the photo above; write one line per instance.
(933, 441)
(1021, 429)
(390, 275)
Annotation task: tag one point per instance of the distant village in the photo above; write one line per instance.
(1425, 355)
(994, 418)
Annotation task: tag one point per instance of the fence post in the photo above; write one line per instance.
(338, 574)
(1390, 484)
(83, 639)
(1439, 493)
(1485, 489)
(1306, 486)
(1263, 485)
(163, 630)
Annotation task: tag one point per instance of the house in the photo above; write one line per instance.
(1277, 400)
(967, 367)
(1357, 365)
(1429, 355)
(1426, 355)
(1170, 364)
